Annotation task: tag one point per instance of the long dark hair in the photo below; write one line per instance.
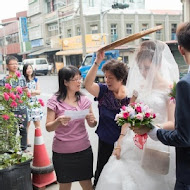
(24, 72)
(66, 74)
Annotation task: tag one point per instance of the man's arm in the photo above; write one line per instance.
(180, 137)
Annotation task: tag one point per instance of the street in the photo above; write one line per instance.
(48, 86)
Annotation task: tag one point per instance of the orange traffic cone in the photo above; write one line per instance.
(42, 169)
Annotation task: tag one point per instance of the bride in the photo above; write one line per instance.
(149, 81)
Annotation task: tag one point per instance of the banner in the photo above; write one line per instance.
(24, 29)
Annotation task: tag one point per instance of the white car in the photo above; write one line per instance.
(40, 65)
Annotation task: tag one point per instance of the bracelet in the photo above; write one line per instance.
(117, 147)
(96, 63)
(122, 134)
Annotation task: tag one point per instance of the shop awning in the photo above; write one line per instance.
(76, 51)
(44, 50)
(27, 52)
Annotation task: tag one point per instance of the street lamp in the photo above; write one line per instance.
(102, 14)
(120, 6)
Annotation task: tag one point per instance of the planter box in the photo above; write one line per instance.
(16, 177)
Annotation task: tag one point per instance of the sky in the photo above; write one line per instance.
(9, 8)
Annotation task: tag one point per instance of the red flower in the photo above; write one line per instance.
(125, 115)
(8, 86)
(6, 96)
(138, 109)
(20, 101)
(28, 94)
(154, 115)
(13, 104)
(17, 96)
(5, 117)
(12, 96)
(18, 74)
(41, 102)
(19, 89)
(147, 115)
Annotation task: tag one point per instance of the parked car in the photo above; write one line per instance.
(89, 60)
(40, 65)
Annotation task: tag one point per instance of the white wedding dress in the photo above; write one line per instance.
(127, 173)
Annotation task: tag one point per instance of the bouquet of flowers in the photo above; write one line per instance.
(138, 115)
(172, 93)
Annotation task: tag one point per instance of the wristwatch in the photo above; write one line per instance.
(98, 64)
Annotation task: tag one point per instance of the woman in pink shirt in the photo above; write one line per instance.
(72, 153)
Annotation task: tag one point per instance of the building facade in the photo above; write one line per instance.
(53, 22)
(14, 36)
(186, 10)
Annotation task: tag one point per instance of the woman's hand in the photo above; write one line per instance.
(91, 120)
(64, 120)
(117, 152)
(33, 93)
(99, 56)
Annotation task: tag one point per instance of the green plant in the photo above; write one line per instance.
(11, 98)
(172, 93)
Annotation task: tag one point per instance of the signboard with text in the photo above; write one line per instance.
(92, 40)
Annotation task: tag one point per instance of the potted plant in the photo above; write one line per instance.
(14, 164)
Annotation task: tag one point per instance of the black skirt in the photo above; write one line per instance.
(73, 166)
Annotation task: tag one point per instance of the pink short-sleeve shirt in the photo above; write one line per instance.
(73, 137)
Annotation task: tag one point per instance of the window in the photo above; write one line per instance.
(41, 62)
(55, 4)
(91, 3)
(126, 59)
(87, 61)
(48, 6)
(78, 31)
(144, 27)
(69, 33)
(128, 29)
(12, 38)
(173, 31)
(52, 27)
(158, 33)
(53, 30)
(114, 35)
(94, 29)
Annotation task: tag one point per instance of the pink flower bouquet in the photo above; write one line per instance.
(138, 115)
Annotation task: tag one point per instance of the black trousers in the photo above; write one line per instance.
(104, 152)
(181, 186)
(22, 129)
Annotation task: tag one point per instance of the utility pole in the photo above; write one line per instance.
(82, 30)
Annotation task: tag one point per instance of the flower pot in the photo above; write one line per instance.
(16, 177)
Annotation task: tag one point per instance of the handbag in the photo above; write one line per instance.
(155, 160)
